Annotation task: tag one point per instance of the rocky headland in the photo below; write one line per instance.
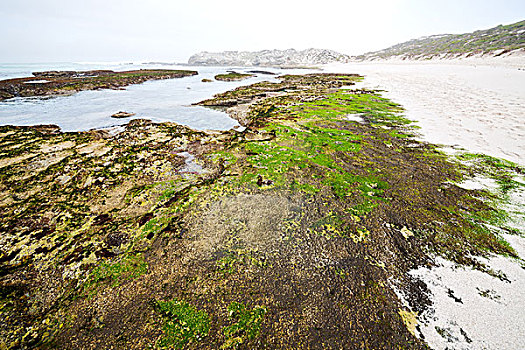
(68, 82)
(297, 232)
(268, 58)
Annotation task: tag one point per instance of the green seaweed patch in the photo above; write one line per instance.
(154, 226)
(115, 273)
(226, 157)
(467, 238)
(375, 109)
(234, 260)
(171, 188)
(307, 188)
(247, 325)
(509, 178)
(183, 324)
(504, 172)
(343, 185)
(294, 149)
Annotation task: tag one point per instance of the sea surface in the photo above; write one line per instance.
(159, 100)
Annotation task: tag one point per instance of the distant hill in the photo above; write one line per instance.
(268, 58)
(495, 41)
(498, 41)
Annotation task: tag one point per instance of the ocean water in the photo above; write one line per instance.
(160, 101)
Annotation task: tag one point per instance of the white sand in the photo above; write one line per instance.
(472, 309)
(476, 103)
(490, 313)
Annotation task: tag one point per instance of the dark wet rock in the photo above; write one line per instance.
(72, 74)
(261, 72)
(233, 76)
(47, 129)
(451, 294)
(137, 123)
(122, 114)
(116, 239)
(102, 219)
(104, 254)
(145, 218)
(100, 134)
(261, 182)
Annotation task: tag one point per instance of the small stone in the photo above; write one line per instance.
(122, 115)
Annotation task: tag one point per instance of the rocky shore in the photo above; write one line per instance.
(69, 82)
(297, 232)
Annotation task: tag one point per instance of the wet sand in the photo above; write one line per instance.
(479, 107)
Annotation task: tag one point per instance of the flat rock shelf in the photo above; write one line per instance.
(68, 82)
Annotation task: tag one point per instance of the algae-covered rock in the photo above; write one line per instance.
(68, 82)
(122, 114)
(233, 76)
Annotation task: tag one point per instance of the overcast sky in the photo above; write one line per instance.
(172, 30)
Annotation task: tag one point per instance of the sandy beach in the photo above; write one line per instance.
(476, 103)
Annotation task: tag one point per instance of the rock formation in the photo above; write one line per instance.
(268, 58)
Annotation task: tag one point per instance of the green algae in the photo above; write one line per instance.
(239, 259)
(116, 273)
(246, 326)
(313, 144)
(183, 324)
(501, 170)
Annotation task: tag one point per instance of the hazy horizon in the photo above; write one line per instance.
(136, 31)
